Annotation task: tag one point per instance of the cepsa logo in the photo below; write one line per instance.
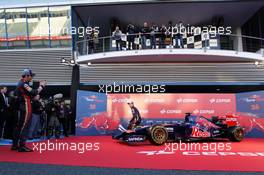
(196, 132)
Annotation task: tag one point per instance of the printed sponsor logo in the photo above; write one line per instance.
(92, 98)
(197, 153)
(171, 111)
(120, 100)
(204, 111)
(169, 129)
(187, 100)
(231, 119)
(220, 100)
(154, 100)
(196, 132)
(135, 139)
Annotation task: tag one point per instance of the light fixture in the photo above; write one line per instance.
(68, 62)
(256, 63)
(63, 60)
(72, 61)
(89, 63)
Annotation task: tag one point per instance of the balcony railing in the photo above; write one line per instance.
(239, 43)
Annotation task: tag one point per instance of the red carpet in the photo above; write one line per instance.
(245, 156)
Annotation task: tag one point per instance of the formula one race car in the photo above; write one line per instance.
(192, 128)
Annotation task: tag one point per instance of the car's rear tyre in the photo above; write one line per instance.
(158, 135)
(236, 134)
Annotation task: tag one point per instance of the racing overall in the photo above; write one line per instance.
(136, 120)
(24, 93)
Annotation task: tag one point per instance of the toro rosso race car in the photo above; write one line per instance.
(192, 128)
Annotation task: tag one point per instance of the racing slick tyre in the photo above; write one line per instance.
(158, 135)
(236, 134)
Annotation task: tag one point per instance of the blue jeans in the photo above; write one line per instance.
(179, 37)
(153, 42)
(34, 125)
(143, 42)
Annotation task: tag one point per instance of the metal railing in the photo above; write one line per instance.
(139, 41)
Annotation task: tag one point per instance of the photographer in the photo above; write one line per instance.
(54, 123)
(25, 93)
(63, 118)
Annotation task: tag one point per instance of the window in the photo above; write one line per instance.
(60, 24)
(38, 27)
(3, 40)
(16, 28)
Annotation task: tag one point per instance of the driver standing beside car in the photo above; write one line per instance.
(136, 119)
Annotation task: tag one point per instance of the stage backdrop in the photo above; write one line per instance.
(98, 114)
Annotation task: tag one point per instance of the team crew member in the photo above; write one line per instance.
(25, 94)
(136, 119)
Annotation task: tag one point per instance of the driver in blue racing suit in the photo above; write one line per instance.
(136, 119)
(25, 93)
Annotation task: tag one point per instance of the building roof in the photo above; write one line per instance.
(36, 3)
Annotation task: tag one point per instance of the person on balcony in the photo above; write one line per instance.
(153, 33)
(117, 36)
(179, 35)
(91, 44)
(131, 36)
(162, 36)
(145, 31)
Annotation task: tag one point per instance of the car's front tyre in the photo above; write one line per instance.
(158, 135)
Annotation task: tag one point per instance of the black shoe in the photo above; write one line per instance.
(24, 149)
(14, 148)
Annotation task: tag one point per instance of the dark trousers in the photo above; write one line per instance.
(178, 38)
(2, 123)
(22, 128)
(34, 126)
(134, 122)
(54, 123)
(118, 45)
(131, 42)
(162, 42)
(153, 42)
(64, 123)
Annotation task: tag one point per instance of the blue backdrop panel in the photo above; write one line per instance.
(252, 104)
(89, 105)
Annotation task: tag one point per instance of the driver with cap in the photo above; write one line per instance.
(25, 94)
(136, 119)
